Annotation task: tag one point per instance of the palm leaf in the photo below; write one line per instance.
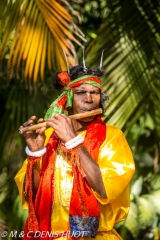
(130, 62)
(40, 30)
(3, 186)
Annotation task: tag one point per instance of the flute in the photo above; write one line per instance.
(75, 116)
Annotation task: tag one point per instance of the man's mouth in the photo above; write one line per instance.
(87, 109)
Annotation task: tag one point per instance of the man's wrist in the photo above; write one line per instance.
(38, 153)
(74, 142)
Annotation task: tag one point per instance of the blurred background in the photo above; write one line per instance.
(32, 36)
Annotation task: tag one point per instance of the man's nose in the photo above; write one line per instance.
(88, 97)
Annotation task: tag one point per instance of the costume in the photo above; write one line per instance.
(75, 207)
(117, 168)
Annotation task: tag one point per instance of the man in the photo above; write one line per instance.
(78, 185)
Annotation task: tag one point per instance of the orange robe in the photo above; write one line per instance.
(117, 168)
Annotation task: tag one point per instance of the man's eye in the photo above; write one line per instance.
(95, 93)
(80, 93)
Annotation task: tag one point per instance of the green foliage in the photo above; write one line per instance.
(130, 63)
(145, 188)
(153, 199)
(20, 214)
(144, 206)
(137, 187)
(132, 222)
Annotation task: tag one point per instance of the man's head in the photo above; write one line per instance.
(86, 98)
(81, 91)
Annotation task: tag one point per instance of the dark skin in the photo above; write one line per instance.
(86, 98)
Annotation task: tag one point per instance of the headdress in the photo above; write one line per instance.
(64, 101)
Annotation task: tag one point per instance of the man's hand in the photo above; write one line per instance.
(34, 139)
(62, 126)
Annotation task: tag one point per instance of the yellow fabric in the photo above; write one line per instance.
(117, 168)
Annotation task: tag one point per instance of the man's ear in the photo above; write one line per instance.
(70, 111)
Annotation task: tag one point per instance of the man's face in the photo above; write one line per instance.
(86, 98)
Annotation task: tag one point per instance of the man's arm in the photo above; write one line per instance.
(92, 171)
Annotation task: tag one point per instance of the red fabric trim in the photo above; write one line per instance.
(62, 102)
(94, 79)
(32, 221)
(87, 205)
(64, 77)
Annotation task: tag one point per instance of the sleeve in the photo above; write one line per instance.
(116, 164)
(19, 178)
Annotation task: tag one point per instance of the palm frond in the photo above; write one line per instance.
(38, 30)
(130, 38)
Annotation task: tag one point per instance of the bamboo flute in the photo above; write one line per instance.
(75, 116)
